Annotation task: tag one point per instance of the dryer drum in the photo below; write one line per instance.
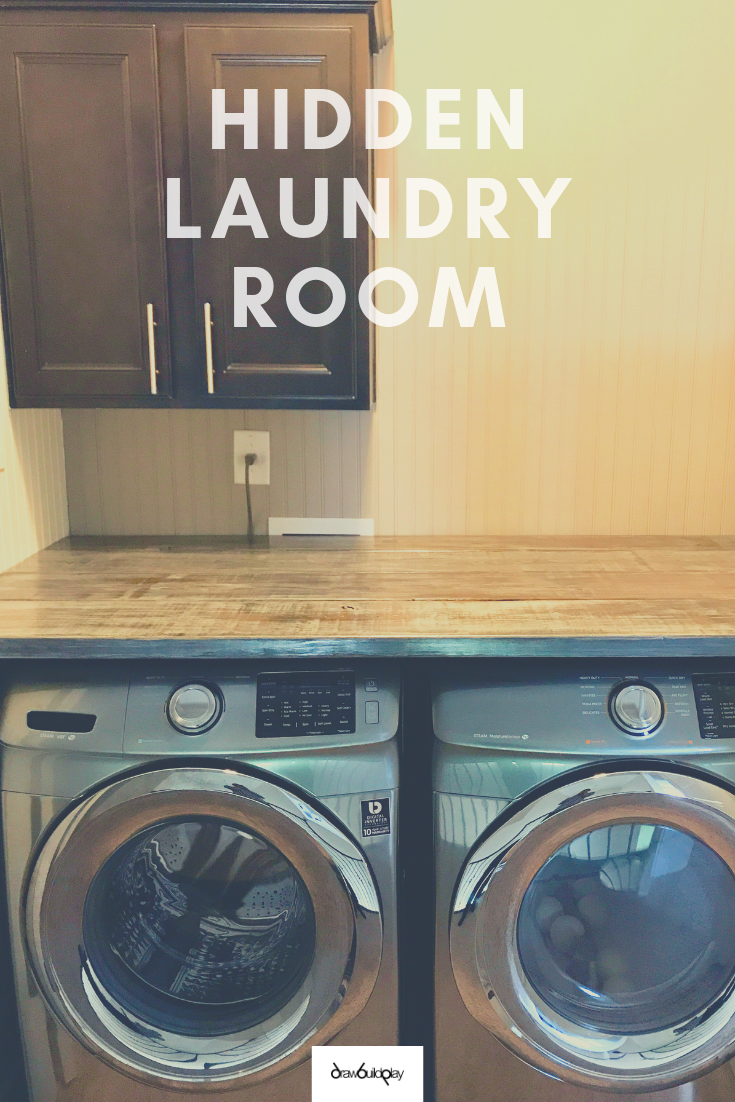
(643, 939)
(593, 932)
(193, 925)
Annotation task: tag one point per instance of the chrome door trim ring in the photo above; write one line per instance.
(484, 912)
(334, 869)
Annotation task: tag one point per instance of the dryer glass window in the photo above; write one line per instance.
(196, 925)
(629, 929)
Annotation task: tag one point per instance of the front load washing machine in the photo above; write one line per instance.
(201, 874)
(585, 863)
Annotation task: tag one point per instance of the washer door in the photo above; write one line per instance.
(593, 932)
(202, 925)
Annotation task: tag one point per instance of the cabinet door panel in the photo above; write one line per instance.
(81, 193)
(290, 362)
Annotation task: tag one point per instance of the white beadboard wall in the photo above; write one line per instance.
(33, 509)
(606, 404)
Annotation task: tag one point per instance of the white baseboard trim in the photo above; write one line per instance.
(321, 526)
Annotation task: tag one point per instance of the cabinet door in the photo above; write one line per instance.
(82, 214)
(290, 364)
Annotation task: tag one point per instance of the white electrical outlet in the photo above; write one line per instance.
(260, 444)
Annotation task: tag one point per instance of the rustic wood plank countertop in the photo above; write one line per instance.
(453, 596)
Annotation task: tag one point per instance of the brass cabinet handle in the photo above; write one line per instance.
(208, 347)
(152, 348)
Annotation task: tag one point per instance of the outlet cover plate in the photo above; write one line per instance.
(260, 443)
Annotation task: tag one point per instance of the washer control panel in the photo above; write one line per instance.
(265, 706)
(636, 707)
(193, 707)
(305, 703)
(715, 697)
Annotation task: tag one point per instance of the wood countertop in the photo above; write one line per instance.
(453, 596)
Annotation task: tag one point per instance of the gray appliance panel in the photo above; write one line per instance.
(148, 731)
(568, 713)
(129, 703)
(322, 773)
(495, 774)
(80, 688)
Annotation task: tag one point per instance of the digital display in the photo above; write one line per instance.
(715, 697)
(292, 705)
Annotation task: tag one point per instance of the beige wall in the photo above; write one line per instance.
(606, 404)
(158, 472)
(33, 510)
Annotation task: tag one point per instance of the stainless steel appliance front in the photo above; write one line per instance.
(198, 925)
(585, 905)
(188, 917)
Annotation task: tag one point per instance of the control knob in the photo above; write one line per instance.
(636, 707)
(194, 708)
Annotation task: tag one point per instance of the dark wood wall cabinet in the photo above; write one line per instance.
(100, 104)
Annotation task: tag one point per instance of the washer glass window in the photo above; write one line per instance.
(629, 929)
(199, 926)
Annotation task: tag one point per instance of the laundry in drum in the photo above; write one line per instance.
(629, 928)
(198, 918)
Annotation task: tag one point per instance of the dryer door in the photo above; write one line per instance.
(198, 925)
(593, 932)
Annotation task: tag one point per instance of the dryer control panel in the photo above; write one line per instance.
(596, 708)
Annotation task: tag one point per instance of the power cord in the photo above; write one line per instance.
(250, 458)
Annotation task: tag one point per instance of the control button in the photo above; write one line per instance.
(636, 708)
(372, 711)
(193, 708)
(371, 685)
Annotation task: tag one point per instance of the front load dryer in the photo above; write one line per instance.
(201, 874)
(585, 864)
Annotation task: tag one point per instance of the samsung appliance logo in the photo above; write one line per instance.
(364, 1073)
